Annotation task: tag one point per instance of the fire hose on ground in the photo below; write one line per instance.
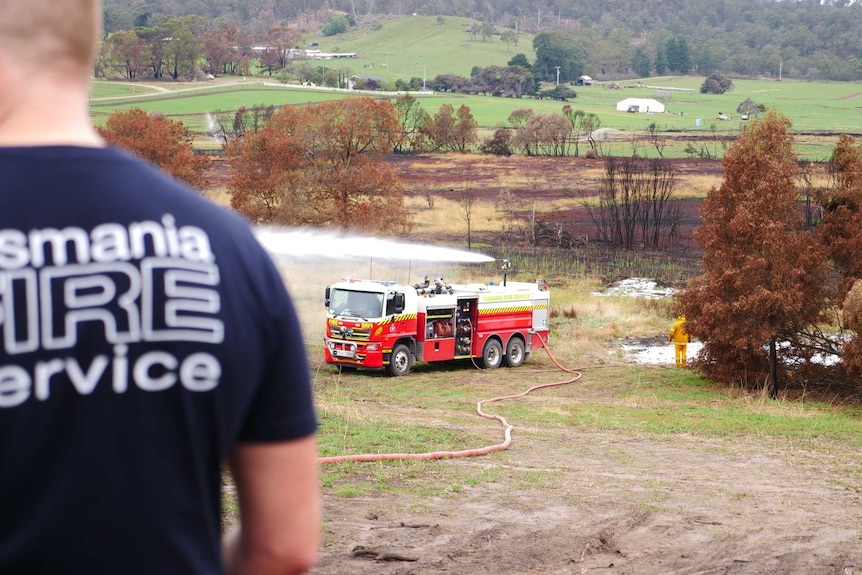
(507, 441)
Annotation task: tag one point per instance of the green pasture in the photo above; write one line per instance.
(192, 106)
(407, 47)
(108, 89)
(813, 108)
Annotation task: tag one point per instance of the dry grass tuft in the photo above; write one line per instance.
(218, 195)
(570, 313)
(696, 186)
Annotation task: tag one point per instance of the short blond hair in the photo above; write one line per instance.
(51, 34)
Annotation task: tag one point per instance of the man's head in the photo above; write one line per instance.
(56, 36)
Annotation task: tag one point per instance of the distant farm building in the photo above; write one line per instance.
(584, 81)
(640, 105)
(318, 55)
(300, 54)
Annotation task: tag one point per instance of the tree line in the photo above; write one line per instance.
(801, 39)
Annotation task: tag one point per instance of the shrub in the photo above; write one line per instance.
(716, 84)
(337, 25)
(499, 144)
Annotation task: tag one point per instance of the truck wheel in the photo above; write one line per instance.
(515, 352)
(492, 354)
(400, 361)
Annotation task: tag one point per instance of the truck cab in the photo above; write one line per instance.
(365, 319)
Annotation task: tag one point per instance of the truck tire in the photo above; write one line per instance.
(516, 353)
(492, 354)
(400, 361)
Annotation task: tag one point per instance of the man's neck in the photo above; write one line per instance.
(51, 114)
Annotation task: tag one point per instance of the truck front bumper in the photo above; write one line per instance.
(359, 354)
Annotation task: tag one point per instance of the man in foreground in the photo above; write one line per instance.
(145, 339)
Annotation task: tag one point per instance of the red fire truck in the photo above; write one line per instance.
(383, 325)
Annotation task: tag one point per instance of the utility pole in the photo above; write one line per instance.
(423, 77)
(558, 75)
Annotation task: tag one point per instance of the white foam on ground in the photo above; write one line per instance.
(659, 354)
(636, 287)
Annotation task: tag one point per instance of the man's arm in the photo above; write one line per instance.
(279, 504)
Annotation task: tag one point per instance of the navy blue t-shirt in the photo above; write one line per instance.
(143, 332)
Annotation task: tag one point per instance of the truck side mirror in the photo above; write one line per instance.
(395, 303)
(326, 297)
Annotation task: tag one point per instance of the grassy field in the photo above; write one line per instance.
(651, 401)
(413, 46)
(813, 108)
(420, 46)
(194, 105)
(431, 409)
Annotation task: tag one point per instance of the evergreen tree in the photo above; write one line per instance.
(764, 278)
(660, 60)
(672, 55)
(519, 59)
(684, 59)
(554, 49)
(641, 63)
(706, 63)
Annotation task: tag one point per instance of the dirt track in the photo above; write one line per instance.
(567, 502)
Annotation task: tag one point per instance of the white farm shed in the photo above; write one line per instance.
(642, 105)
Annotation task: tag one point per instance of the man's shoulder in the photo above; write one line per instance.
(101, 188)
(141, 181)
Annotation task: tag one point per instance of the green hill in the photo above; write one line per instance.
(409, 46)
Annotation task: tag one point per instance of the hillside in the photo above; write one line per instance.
(811, 40)
(413, 46)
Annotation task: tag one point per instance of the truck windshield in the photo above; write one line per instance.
(356, 303)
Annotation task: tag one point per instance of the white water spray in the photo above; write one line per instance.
(306, 243)
(211, 125)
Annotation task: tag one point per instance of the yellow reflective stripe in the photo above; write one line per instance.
(397, 318)
(501, 310)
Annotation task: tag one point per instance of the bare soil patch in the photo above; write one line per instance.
(617, 504)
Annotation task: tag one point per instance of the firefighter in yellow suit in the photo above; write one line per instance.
(680, 339)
